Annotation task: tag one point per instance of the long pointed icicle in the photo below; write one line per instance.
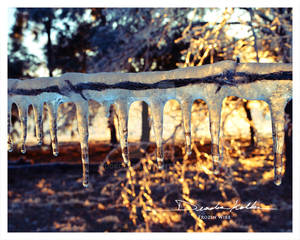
(122, 116)
(10, 145)
(214, 108)
(157, 110)
(277, 106)
(82, 125)
(52, 113)
(23, 118)
(38, 113)
(186, 106)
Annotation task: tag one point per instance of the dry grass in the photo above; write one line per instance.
(142, 198)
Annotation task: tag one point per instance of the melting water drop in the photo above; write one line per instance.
(82, 125)
(277, 106)
(10, 145)
(186, 106)
(52, 113)
(23, 118)
(214, 108)
(122, 116)
(38, 113)
(157, 109)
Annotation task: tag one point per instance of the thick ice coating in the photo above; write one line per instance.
(212, 83)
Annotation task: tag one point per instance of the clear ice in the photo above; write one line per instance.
(82, 125)
(277, 106)
(122, 116)
(157, 110)
(214, 109)
(10, 145)
(186, 108)
(23, 119)
(38, 117)
(52, 114)
(122, 89)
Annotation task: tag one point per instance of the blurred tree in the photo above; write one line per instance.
(41, 20)
(47, 21)
(107, 40)
(153, 30)
(209, 42)
(73, 46)
(19, 60)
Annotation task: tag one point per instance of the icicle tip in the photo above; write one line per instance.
(188, 152)
(85, 174)
(277, 181)
(10, 147)
(160, 163)
(278, 169)
(55, 153)
(125, 158)
(23, 149)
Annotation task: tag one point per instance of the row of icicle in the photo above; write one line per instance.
(277, 98)
(122, 117)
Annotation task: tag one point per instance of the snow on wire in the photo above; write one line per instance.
(270, 82)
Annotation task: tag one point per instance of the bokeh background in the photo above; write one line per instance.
(45, 193)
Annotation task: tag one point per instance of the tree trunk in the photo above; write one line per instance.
(83, 70)
(48, 25)
(111, 125)
(287, 180)
(145, 123)
(249, 117)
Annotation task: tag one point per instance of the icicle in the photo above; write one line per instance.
(122, 116)
(277, 106)
(157, 109)
(52, 113)
(82, 109)
(23, 118)
(186, 106)
(38, 114)
(214, 108)
(10, 140)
